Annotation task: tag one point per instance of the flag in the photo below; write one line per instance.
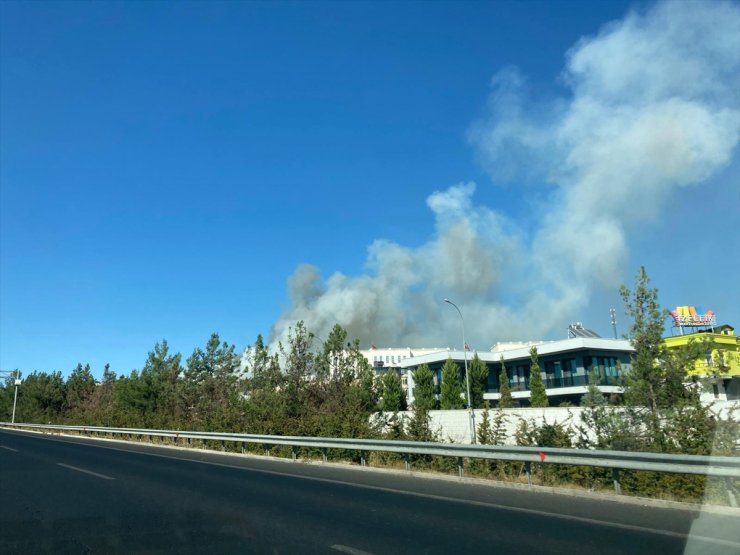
(466, 347)
(372, 346)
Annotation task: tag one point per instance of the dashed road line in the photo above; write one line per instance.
(90, 472)
(348, 549)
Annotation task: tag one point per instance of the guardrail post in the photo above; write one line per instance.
(730, 493)
(363, 462)
(615, 478)
(267, 449)
(460, 466)
(294, 452)
(406, 462)
(323, 453)
(528, 470)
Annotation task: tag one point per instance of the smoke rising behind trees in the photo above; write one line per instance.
(650, 109)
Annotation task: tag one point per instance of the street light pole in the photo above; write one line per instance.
(15, 395)
(16, 382)
(471, 413)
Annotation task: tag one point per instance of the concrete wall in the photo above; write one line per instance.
(454, 425)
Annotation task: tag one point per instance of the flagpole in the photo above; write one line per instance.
(471, 413)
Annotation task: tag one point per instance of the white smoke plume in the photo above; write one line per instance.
(653, 107)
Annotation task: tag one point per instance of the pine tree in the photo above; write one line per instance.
(643, 381)
(656, 379)
(505, 401)
(263, 368)
(332, 361)
(450, 395)
(538, 395)
(658, 401)
(80, 386)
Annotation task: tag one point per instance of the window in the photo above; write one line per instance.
(569, 366)
(610, 366)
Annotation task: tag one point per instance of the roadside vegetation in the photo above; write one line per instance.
(311, 388)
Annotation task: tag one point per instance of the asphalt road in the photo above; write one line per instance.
(70, 495)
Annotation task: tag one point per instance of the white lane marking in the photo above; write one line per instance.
(90, 472)
(8, 448)
(607, 524)
(347, 549)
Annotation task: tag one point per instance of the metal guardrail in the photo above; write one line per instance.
(722, 467)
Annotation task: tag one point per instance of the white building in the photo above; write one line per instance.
(383, 359)
(565, 366)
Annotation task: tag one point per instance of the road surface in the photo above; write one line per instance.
(73, 495)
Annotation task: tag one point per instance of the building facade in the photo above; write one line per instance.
(719, 368)
(393, 358)
(564, 366)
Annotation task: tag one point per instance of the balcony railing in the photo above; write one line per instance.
(557, 383)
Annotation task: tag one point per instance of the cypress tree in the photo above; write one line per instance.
(450, 395)
(424, 394)
(419, 427)
(478, 381)
(506, 401)
(538, 395)
(393, 397)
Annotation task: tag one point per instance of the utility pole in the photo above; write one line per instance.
(613, 314)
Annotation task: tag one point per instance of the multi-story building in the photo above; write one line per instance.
(394, 358)
(719, 368)
(565, 366)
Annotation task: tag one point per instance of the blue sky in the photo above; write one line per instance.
(165, 168)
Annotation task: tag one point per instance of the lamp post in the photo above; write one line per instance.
(16, 382)
(15, 395)
(471, 413)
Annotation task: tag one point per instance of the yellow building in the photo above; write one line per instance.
(721, 360)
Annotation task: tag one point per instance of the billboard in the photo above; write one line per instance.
(693, 317)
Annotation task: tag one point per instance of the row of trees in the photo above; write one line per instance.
(452, 394)
(280, 391)
(303, 389)
(538, 394)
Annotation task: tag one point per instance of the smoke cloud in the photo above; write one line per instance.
(652, 107)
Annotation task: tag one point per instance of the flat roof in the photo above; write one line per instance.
(544, 349)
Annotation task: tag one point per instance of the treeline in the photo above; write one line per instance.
(303, 389)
